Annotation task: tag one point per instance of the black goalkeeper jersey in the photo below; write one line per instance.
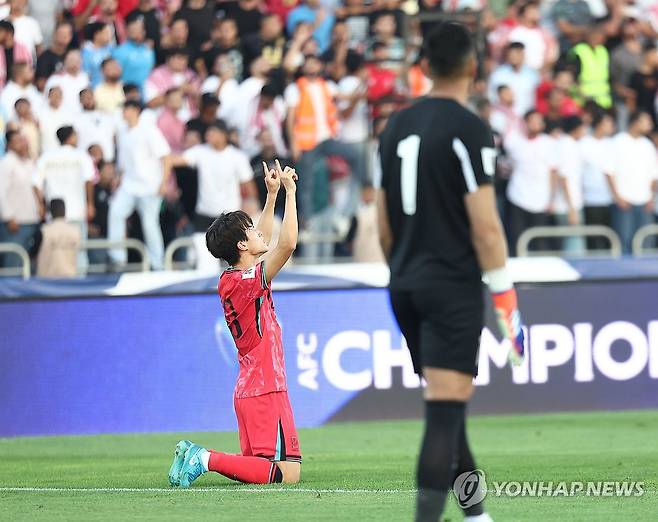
(433, 154)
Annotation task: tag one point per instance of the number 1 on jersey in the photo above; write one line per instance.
(407, 151)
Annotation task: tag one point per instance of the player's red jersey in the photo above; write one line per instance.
(249, 310)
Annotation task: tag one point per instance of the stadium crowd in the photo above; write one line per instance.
(147, 118)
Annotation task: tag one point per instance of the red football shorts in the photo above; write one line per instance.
(267, 428)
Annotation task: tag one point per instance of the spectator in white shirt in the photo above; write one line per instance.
(248, 93)
(94, 126)
(20, 86)
(633, 178)
(541, 49)
(26, 29)
(144, 162)
(266, 112)
(531, 189)
(503, 118)
(19, 212)
(568, 207)
(521, 78)
(28, 125)
(72, 80)
(352, 105)
(53, 117)
(67, 173)
(46, 14)
(224, 86)
(597, 161)
(224, 175)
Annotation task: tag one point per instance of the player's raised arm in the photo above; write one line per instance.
(287, 242)
(273, 184)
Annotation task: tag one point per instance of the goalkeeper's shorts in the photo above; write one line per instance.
(442, 325)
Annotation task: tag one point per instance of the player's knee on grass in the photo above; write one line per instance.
(291, 471)
(447, 385)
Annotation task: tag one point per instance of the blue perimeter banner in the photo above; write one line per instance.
(168, 363)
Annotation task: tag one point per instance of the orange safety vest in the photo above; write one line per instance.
(419, 84)
(305, 129)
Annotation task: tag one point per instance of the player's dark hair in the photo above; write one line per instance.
(448, 47)
(19, 101)
(223, 236)
(502, 87)
(65, 133)
(57, 208)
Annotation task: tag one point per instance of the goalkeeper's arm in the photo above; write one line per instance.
(491, 249)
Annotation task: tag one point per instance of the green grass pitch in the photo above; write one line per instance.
(351, 472)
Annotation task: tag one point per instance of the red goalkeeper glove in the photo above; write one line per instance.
(509, 323)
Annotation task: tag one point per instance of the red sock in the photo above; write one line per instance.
(253, 470)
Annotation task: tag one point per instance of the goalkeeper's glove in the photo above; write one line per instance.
(507, 313)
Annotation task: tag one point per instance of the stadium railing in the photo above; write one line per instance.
(305, 238)
(16, 249)
(170, 251)
(640, 237)
(523, 243)
(129, 244)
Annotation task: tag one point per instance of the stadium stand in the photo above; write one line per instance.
(569, 88)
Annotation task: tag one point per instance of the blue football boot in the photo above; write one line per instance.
(179, 456)
(192, 467)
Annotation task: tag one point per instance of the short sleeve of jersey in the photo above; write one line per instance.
(253, 281)
(476, 152)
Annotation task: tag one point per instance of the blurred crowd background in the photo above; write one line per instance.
(145, 119)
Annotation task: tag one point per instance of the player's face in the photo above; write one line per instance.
(256, 244)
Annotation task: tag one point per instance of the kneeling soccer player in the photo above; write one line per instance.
(268, 439)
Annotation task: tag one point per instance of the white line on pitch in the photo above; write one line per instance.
(201, 490)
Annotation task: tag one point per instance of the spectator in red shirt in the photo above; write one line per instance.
(563, 81)
(106, 11)
(95, 7)
(381, 80)
(281, 8)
